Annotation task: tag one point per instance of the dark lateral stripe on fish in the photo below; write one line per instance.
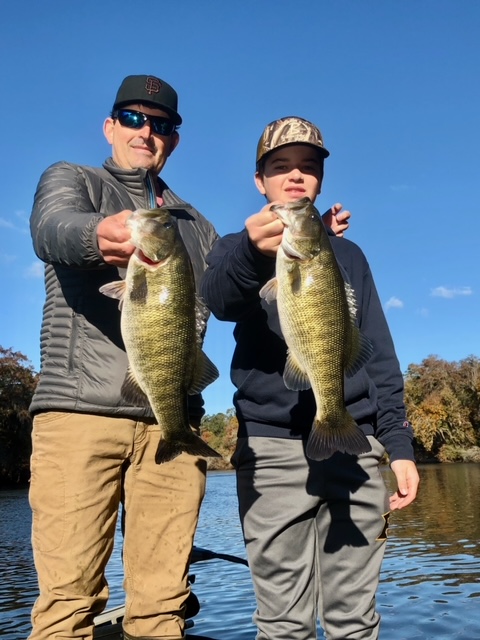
(139, 291)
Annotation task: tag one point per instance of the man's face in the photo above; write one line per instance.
(291, 172)
(140, 148)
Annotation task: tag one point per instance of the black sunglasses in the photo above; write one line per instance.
(136, 120)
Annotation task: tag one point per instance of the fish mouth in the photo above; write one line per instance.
(147, 260)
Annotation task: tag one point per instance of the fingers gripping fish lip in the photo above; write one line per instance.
(134, 217)
(281, 212)
(153, 235)
(143, 213)
(295, 243)
(297, 206)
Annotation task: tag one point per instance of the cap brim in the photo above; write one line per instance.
(323, 152)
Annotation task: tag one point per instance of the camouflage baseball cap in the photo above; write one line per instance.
(289, 130)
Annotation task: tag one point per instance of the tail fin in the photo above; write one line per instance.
(328, 437)
(191, 443)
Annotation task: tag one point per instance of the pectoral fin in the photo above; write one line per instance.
(115, 290)
(293, 375)
(269, 290)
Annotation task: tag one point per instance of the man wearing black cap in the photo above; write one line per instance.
(91, 449)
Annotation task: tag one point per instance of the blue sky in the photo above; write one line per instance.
(393, 85)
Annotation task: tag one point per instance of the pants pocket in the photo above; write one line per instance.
(239, 447)
(47, 500)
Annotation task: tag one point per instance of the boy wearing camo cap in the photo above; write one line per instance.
(315, 531)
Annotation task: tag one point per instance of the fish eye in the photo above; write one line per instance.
(167, 225)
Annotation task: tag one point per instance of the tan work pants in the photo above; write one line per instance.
(81, 464)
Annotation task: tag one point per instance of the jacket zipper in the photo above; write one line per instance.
(151, 192)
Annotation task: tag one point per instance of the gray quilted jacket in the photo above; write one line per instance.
(83, 359)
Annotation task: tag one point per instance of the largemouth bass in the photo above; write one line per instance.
(162, 322)
(317, 315)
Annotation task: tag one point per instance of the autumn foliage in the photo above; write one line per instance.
(17, 384)
(443, 405)
(442, 399)
(220, 431)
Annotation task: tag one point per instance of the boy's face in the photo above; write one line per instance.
(291, 172)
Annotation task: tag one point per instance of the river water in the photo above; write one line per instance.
(430, 582)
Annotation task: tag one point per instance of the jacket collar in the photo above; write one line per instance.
(134, 180)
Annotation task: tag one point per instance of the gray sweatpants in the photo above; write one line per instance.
(315, 537)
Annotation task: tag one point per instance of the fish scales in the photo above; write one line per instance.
(161, 331)
(314, 323)
(317, 321)
(163, 317)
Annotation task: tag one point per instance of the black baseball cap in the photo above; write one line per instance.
(151, 91)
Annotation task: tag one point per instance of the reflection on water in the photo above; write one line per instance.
(447, 510)
(18, 587)
(430, 583)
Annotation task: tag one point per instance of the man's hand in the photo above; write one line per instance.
(113, 238)
(265, 230)
(337, 219)
(407, 483)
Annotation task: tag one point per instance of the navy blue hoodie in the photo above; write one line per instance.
(264, 406)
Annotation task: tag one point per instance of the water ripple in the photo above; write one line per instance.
(430, 579)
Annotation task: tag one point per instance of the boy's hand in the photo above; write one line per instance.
(407, 483)
(337, 219)
(265, 230)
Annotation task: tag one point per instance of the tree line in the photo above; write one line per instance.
(442, 400)
(17, 384)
